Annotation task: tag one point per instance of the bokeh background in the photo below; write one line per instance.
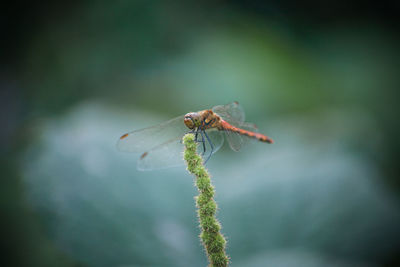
(321, 78)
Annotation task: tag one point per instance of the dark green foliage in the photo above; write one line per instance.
(212, 239)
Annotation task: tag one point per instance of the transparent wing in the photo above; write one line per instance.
(237, 141)
(231, 113)
(147, 138)
(217, 140)
(170, 153)
(165, 155)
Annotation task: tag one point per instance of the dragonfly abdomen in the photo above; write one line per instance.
(263, 138)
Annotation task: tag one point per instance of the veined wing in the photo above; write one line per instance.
(216, 138)
(237, 141)
(234, 115)
(165, 155)
(231, 113)
(147, 138)
(170, 153)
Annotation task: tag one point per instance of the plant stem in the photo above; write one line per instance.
(213, 241)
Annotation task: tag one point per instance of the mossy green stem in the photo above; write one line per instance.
(213, 241)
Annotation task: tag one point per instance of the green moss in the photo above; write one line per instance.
(213, 241)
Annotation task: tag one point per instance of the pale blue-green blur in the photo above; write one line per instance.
(322, 195)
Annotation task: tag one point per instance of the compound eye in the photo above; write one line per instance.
(189, 122)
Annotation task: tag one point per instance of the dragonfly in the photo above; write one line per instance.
(161, 145)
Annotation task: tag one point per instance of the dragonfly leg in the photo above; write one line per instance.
(197, 136)
(211, 145)
(204, 143)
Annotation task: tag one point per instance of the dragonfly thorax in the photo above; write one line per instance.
(192, 120)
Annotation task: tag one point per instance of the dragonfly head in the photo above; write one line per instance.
(192, 120)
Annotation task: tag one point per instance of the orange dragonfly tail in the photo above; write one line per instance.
(263, 138)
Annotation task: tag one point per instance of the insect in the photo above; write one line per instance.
(161, 144)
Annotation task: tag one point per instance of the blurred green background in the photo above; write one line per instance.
(321, 79)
